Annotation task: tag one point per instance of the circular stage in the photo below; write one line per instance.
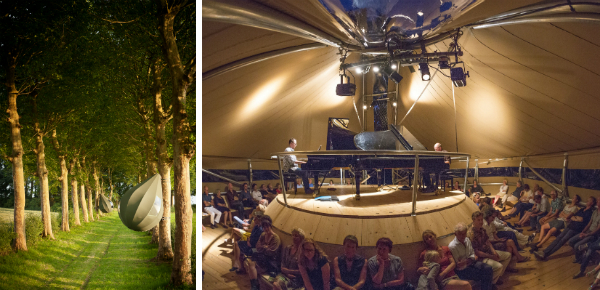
(377, 214)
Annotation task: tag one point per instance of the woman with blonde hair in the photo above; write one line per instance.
(314, 266)
(290, 278)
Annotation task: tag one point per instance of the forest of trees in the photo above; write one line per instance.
(97, 96)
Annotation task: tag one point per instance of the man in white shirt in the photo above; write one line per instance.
(467, 266)
(290, 164)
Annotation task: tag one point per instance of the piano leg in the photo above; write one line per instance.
(316, 184)
(358, 179)
(378, 172)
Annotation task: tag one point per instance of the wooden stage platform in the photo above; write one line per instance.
(376, 214)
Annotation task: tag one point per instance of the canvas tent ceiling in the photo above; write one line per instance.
(533, 89)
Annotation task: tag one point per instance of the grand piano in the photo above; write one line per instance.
(369, 152)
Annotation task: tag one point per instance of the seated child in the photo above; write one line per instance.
(428, 282)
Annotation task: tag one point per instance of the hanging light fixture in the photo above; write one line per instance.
(424, 68)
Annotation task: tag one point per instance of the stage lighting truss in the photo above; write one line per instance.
(399, 55)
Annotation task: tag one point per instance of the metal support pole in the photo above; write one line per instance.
(397, 100)
(542, 178)
(250, 177)
(222, 177)
(415, 187)
(282, 180)
(476, 170)
(564, 175)
(466, 176)
(341, 176)
(364, 124)
(521, 171)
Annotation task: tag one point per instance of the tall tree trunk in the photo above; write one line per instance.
(161, 118)
(42, 172)
(64, 183)
(183, 148)
(83, 205)
(110, 184)
(75, 199)
(86, 181)
(90, 201)
(96, 189)
(64, 193)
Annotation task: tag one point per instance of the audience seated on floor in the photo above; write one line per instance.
(385, 269)
(314, 266)
(456, 186)
(548, 229)
(350, 269)
(290, 277)
(556, 206)
(511, 199)
(244, 247)
(501, 193)
(266, 255)
(587, 243)
(525, 202)
(473, 254)
(468, 266)
(500, 261)
(573, 227)
(446, 278)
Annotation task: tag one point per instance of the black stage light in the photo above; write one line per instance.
(345, 89)
(459, 77)
(392, 74)
(443, 62)
(424, 68)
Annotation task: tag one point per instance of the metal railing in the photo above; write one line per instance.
(417, 154)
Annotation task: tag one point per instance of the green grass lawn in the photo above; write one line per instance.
(99, 255)
(7, 214)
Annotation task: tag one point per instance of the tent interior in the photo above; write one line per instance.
(531, 100)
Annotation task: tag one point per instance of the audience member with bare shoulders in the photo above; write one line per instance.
(350, 269)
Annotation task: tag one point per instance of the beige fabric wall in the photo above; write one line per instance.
(533, 90)
(253, 111)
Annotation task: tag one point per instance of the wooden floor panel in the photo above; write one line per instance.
(554, 274)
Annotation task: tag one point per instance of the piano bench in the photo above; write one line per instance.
(290, 177)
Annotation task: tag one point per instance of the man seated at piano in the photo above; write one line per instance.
(290, 164)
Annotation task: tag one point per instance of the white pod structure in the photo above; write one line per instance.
(141, 207)
(105, 206)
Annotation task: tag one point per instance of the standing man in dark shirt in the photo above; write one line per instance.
(234, 200)
(438, 147)
(246, 196)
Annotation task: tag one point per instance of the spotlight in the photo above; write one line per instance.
(424, 68)
(345, 89)
(394, 66)
(394, 104)
(443, 62)
(376, 69)
(420, 19)
(364, 107)
(458, 77)
(392, 74)
(359, 70)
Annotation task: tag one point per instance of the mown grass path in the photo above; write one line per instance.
(99, 255)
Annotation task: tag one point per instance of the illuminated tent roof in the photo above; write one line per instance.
(533, 88)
